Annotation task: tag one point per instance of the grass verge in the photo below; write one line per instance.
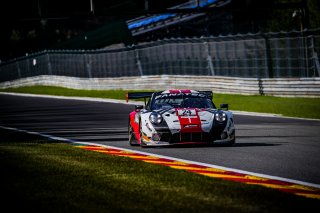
(38, 175)
(293, 107)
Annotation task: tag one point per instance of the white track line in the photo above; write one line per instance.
(166, 157)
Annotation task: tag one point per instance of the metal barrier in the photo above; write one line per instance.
(291, 87)
(272, 55)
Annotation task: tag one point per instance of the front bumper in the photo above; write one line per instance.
(216, 136)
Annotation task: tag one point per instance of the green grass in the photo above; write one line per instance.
(38, 175)
(61, 91)
(293, 107)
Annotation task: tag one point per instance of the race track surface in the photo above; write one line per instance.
(283, 147)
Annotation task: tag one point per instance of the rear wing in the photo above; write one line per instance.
(138, 95)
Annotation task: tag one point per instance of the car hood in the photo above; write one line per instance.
(188, 119)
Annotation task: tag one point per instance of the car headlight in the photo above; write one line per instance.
(220, 116)
(155, 118)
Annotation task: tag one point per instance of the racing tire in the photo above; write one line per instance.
(131, 136)
(232, 142)
(142, 143)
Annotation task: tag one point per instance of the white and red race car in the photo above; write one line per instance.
(179, 117)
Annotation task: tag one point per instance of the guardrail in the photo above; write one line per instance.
(288, 87)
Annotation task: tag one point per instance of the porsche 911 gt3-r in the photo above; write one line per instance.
(179, 117)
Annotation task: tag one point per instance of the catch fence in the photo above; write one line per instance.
(263, 55)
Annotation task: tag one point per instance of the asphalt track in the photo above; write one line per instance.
(282, 147)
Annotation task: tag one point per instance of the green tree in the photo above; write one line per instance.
(294, 18)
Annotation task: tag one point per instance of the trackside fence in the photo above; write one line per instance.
(263, 55)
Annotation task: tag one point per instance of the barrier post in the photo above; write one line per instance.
(136, 53)
(49, 63)
(268, 57)
(88, 64)
(209, 60)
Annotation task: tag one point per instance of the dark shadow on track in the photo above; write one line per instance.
(255, 144)
(11, 136)
(275, 136)
(211, 145)
(101, 139)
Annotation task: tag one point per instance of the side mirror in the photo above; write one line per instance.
(224, 106)
(138, 108)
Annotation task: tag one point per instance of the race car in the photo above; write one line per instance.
(174, 117)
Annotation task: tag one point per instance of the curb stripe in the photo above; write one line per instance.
(293, 188)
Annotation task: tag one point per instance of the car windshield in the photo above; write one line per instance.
(181, 101)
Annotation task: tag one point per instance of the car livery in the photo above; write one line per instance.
(179, 117)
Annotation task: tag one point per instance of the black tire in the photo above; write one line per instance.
(142, 143)
(232, 142)
(131, 136)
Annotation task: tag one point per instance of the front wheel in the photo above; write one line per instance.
(132, 137)
(142, 143)
(232, 142)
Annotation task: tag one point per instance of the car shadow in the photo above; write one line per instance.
(255, 144)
